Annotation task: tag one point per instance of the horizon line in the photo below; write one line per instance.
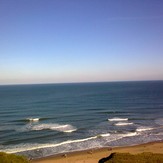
(60, 83)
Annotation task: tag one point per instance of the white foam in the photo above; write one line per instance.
(123, 123)
(140, 129)
(33, 119)
(69, 131)
(105, 135)
(118, 119)
(159, 121)
(114, 137)
(29, 147)
(130, 134)
(54, 126)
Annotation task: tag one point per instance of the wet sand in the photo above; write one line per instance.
(94, 155)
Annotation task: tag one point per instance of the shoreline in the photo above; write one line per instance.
(95, 154)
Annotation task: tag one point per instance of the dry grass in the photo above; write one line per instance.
(11, 158)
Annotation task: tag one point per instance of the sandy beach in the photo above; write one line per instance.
(94, 155)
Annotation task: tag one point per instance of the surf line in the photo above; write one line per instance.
(55, 145)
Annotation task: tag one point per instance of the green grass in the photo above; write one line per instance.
(129, 158)
(11, 158)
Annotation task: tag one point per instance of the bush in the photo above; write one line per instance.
(129, 158)
(11, 158)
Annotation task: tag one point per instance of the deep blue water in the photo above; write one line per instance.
(41, 120)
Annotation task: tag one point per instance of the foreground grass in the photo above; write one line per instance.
(129, 158)
(11, 158)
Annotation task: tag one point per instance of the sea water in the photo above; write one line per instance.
(42, 120)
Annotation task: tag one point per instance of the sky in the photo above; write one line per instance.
(64, 41)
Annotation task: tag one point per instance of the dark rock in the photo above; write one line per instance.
(103, 160)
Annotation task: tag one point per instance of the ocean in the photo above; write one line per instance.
(47, 119)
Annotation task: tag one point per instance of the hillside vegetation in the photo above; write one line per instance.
(11, 158)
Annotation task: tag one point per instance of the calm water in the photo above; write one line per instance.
(41, 120)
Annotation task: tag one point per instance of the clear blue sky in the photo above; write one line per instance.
(53, 41)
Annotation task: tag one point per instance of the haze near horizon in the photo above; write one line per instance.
(80, 41)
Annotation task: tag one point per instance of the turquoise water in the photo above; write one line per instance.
(42, 120)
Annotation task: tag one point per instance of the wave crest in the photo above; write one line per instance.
(33, 119)
(56, 127)
(118, 119)
(123, 124)
(96, 139)
(143, 129)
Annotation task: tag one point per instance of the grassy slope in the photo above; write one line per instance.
(11, 158)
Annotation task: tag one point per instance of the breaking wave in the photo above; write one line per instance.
(140, 129)
(97, 139)
(118, 119)
(50, 126)
(29, 147)
(33, 119)
(123, 123)
(105, 135)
